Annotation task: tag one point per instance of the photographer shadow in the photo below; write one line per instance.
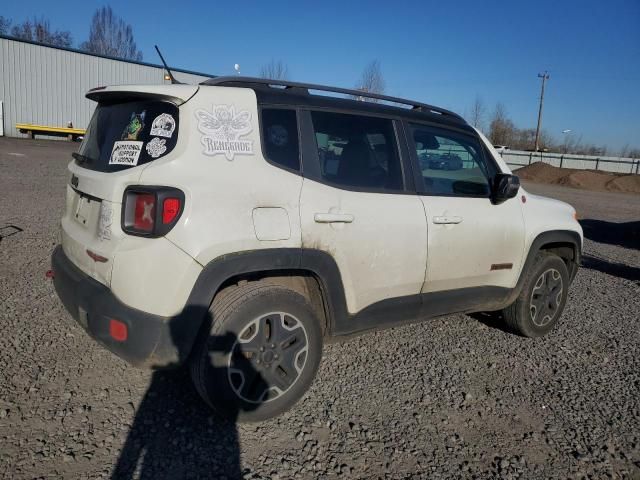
(175, 435)
(626, 234)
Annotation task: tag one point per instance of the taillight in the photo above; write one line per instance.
(151, 211)
(144, 212)
(170, 209)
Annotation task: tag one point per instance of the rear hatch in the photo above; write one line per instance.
(130, 128)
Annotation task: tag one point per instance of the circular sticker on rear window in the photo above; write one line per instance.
(278, 135)
(163, 125)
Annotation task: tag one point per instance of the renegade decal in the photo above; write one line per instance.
(135, 126)
(156, 147)
(163, 125)
(104, 223)
(125, 153)
(222, 129)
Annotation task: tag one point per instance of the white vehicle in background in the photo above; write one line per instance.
(501, 148)
(236, 224)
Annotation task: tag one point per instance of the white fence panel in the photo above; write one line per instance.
(517, 159)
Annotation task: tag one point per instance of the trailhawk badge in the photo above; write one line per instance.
(222, 130)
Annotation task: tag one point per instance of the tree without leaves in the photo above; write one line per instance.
(372, 81)
(624, 151)
(634, 153)
(110, 35)
(5, 24)
(501, 128)
(275, 70)
(502, 131)
(477, 114)
(39, 30)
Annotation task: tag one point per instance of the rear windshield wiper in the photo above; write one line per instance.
(81, 158)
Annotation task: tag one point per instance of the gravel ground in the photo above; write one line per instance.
(455, 397)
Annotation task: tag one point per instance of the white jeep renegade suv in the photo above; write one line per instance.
(236, 224)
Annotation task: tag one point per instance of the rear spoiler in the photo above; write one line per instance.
(176, 94)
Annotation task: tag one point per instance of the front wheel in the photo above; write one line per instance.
(260, 353)
(542, 299)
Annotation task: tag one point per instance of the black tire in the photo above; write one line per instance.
(266, 334)
(539, 306)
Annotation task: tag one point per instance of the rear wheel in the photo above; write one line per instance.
(260, 352)
(542, 299)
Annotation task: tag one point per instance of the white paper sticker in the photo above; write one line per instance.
(104, 222)
(163, 125)
(156, 147)
(223, 130)
(125, 153)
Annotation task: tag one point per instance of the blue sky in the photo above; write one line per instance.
(444, 53)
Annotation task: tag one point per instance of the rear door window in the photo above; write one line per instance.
(125, 135)
(357, 151)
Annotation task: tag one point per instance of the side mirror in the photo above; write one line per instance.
(505, 186)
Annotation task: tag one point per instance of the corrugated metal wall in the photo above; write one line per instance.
(46, 86)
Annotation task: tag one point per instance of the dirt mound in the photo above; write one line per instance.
(541, 172)
(625, 183)
(584, 179)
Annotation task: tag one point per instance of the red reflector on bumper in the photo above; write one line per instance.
(97, 258)
(118, 330)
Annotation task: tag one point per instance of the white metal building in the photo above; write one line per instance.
(45, 85)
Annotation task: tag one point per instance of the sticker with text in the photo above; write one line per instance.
(223, 129)
(125, 153)
(163, 126)
(104, 222)
(156, 147)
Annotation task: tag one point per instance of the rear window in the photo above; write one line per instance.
(280, 134)
(124, 135)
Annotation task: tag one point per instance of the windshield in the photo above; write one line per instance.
(124, 135)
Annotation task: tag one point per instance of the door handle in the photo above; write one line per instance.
(333, 218)
(448, 220)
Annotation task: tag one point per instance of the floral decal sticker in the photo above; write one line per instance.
(156, 147)
(223, 129)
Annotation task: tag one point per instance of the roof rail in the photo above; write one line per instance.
(232, 81)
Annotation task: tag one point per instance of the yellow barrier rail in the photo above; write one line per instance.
(32, 130)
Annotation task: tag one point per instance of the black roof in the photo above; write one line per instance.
(296, 93)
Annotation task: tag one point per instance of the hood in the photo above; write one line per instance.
(551, 203)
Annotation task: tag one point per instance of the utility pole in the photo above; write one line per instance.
(544, 76)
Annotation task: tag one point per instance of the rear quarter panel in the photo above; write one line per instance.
(221, 192)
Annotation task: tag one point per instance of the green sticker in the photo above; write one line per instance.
(135, 126)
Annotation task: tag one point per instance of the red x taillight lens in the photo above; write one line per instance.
(145, 212)
(151, 211)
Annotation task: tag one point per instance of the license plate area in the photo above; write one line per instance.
(84, 207)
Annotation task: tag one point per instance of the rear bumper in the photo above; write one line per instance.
(152, 340)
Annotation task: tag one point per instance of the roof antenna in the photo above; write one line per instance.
(173, 79)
